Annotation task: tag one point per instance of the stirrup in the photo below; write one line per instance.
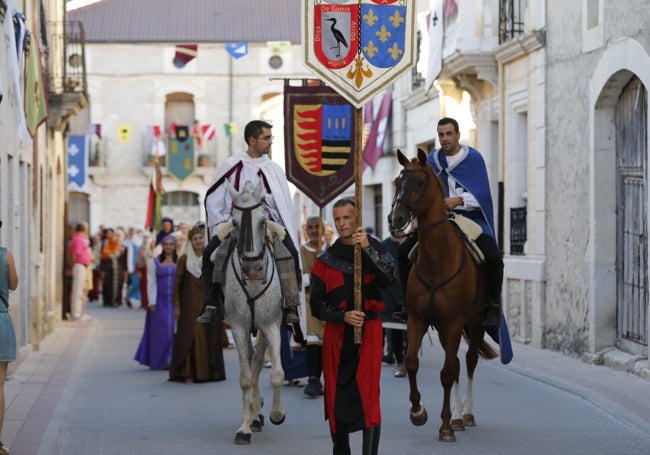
(208, 316)
(290, 315)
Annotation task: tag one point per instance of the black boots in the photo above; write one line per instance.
(341, 443)
(493, 302)
(370, 444)
(213, 309)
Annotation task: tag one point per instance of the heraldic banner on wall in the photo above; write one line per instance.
(319, 139)
(358, 46)
(180, 155)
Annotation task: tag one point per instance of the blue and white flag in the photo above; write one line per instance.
(77, 162)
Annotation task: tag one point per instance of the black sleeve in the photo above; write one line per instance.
(381, 262)
(318, 302)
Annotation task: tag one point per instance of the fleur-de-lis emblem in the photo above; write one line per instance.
(371, 49)
(396, 19)
(383, 34)
(395, 51)
(370, 18)
(358, 72)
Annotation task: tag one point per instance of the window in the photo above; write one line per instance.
(511, 19)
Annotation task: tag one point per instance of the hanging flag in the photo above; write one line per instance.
(98, 130)
(230, 128)
(153, 221)
(368, 110)
(14, 90)
(36, 110)
(77, 161)
(375, 146)
(319, 137)
(237, 50)
(124, 132)
(435, 34)
(184, 54)
(359, 48)
(278, 47)
(209, 131)
(180, 157)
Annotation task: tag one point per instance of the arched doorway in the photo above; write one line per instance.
(632, 216)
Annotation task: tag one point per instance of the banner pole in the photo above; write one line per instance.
(358, 195)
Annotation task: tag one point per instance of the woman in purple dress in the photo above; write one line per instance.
(155, 348)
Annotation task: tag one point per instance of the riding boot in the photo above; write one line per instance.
(341, 443)
(493, 302)
(213, 307)
(370, 445)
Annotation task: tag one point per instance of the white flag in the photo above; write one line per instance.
(436, 34)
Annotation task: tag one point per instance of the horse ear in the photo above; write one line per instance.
(231, 190)
(422, 156)
(401, 158)
(259, 190)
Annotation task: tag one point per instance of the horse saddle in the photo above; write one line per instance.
(470, 231)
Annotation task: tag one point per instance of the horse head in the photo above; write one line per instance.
(414, 187)
(249, 223)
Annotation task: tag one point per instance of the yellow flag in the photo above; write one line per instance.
(36, 110)
(124, 132)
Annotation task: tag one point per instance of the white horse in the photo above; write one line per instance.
(252, 297)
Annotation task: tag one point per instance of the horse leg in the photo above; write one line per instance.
(244, 349)
(471, 360)
(448, 376)
(457, 409)
(415, 331)
(277, 414)
(256, 402)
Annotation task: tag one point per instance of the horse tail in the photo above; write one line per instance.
(485, 350)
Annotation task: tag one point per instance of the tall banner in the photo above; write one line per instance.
(180, 156)
(319, 139)
(36, 110)
(375, 145)
(77, 162)
(359, 46)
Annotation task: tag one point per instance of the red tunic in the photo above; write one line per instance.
(351, 371)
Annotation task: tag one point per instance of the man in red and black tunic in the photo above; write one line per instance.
(351, 371)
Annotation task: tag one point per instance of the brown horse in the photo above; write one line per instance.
(446, 289)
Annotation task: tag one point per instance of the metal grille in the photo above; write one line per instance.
(632, 229)
(517, 230)
(511, 19)
(416, 78)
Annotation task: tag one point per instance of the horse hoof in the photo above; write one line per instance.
(468, 420)
(242, 438)
(278, 421)
(260, 417)
(419, 418)
(256, 426)
(446, 436)
(458, 425)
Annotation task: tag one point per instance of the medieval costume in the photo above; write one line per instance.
(155, 349)
(198, 354)
(351, 371)
(464, 175)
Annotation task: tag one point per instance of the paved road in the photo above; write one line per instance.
(82, 393)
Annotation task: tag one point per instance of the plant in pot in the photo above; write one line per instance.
(204, 160)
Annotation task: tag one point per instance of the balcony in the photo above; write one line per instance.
(66, 77)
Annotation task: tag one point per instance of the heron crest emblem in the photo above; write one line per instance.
(359, 46)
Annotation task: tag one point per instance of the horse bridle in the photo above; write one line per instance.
(247, 234)
(399, 198)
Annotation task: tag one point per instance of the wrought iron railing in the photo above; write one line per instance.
(511, 19)
(67, 42)
(518, 234)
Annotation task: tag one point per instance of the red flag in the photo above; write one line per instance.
(209, 131)
(184, 54)
(98, 130)
(375, 146)
(153, 221)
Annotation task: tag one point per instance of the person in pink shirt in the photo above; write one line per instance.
(81, 258)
